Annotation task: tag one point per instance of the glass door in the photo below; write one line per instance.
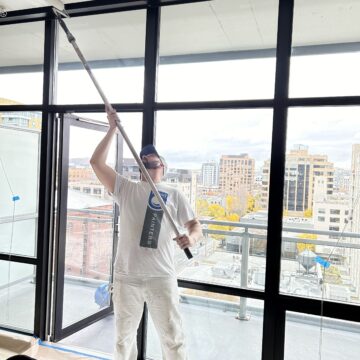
(85, 231)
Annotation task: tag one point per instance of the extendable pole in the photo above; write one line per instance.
(108, 106)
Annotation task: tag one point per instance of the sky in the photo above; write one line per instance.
(188, 138)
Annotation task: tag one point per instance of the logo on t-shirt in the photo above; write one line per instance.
(152, 223)
(154, 202)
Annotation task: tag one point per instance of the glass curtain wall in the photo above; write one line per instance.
(320, 255)
(222, 52)
(21, 81)
(216, 51)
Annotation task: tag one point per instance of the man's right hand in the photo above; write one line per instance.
(112, 117)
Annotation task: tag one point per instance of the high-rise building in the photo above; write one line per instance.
(301, 170)
(210, 174)
(342, 179)
(264, 199)
(354, 258)
(237, 172)
(331, 213)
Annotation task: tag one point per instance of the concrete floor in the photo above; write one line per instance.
(212, 332)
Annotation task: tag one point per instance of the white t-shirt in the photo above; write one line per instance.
(146, 247)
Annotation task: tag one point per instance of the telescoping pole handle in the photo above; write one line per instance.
(108, 107)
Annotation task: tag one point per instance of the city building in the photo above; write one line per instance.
(355, 216)
(130, 169)
(342, 180)
(185, 181)
(301, 171)
(24, 119)
(210, 173)
(332, 214)
(265, 183)
(237, 174)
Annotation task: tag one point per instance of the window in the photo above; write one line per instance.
(222, 310)
(322, 22)
(118, 67)
(19, 176)
(172, 135)
(19, 291)
(21, 78)
(189, 71)
(328, 133)
(336, 333)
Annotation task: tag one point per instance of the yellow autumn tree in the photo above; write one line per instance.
(202, 207)
(233, 217)
(252, 203)
(216, 211)
(229, 204)
(308, 213)
(303, 246)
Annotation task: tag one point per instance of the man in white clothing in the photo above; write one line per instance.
(144, 269)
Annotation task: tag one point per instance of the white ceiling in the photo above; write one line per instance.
(11, 5)
(218, 25)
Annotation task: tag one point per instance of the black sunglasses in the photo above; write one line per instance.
(152, 164)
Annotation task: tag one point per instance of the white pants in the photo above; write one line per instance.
(162, 298)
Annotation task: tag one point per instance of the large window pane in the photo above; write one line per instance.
(320, 252)
(17, 295)
(338, 340)
(218, 50)
(89, 229)
(213, 328)
(326, 38)
(19, 177)
(222, 182)
(114, 46)
(21, 63)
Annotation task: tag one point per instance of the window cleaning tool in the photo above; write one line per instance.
(108, 106)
